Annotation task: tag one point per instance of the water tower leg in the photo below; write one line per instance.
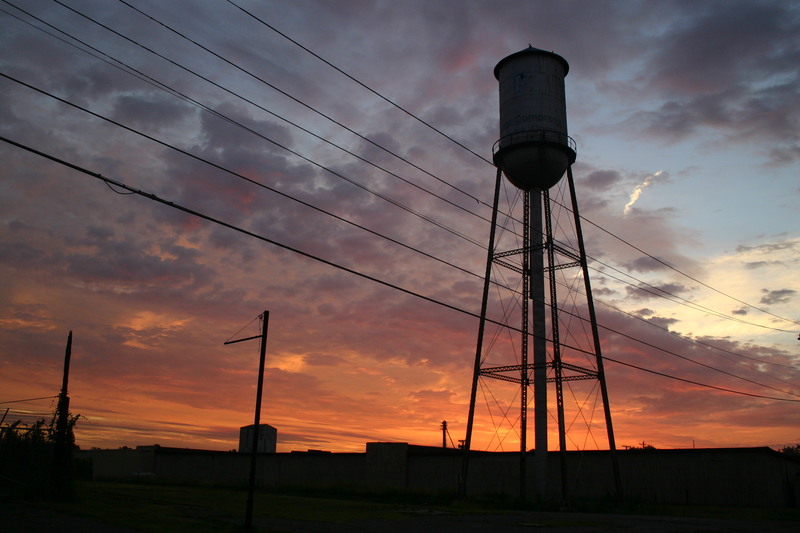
(596, 336)
(539, 341)
(476, 372)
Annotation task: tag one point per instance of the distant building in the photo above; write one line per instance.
(267, 439)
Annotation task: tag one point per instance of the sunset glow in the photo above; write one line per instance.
(687, 123)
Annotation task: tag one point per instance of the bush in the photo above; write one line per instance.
(26, 457)
(792, 450)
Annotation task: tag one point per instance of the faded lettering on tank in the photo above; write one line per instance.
(522, 119)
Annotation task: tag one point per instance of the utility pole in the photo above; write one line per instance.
(248, 519)
(62, 453)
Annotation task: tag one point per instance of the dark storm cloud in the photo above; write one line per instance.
(99, 233)
(243, 137)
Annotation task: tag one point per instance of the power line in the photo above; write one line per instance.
(690, 304)
(245, 178)
(297, 154)
(111, 61)
(409, 292)
(691, 340)
(710, 367)
(293, 98)
(612, 267)
(29, 399)
(667, 295)
(410, 114)
(214, 220)
(610, 329)
(171, 90)
(664, 263)
(660, 292)
(376, 93)
(706, 385)
(240, 176)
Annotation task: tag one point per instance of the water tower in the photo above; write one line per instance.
(534, 152)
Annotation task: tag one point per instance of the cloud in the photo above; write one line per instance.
(737, 115)
(602, 179)
(777, 296)
(727, 76)
(748, 41)
(768, 247)
(753, 265)
(646, 264)
(148, 109)
(152, 292)
(656, 290)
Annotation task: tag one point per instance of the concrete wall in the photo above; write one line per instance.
(741, 477)
(313, 470)
(738, 476)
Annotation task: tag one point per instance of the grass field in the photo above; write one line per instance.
(176, 509)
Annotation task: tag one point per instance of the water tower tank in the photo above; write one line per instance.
(534, 149)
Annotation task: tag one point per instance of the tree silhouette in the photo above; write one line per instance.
(26, 453)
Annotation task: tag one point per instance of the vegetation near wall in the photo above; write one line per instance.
(27, 468)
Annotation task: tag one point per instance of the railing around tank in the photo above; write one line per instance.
(535, 136)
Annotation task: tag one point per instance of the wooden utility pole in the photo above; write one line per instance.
(62, 453)
(248, 519)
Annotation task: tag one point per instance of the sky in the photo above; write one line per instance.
(286, 119)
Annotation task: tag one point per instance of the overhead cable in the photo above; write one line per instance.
(376, 93)
(240, 176)
(370, 89)
(327, 169)
(706, 385)
(385, 283)
(292, 97)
